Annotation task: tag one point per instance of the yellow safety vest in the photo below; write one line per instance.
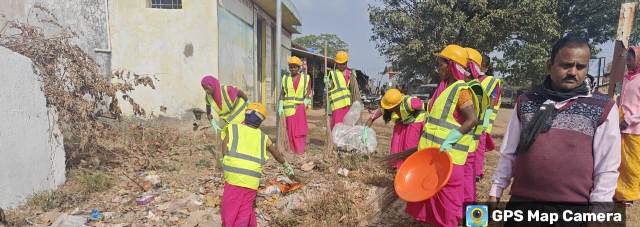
(483, 104)
(229, 112)
(406, 112)
(440, 122)
(243, 164)
(293, 97)
(339, 96)
(489, 85)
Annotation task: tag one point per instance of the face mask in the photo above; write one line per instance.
(252, 119)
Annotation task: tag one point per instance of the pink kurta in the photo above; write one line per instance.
(236, 208)
(297, 129)
(444, 208)
(405, 137)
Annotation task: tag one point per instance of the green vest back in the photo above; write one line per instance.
(247, 153)
(407, 115)
(230, 112)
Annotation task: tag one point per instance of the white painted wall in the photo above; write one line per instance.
(31, 146)
(153, 41)
(87, 18)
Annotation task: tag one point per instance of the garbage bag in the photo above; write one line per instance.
(352, 117)
(357, 138)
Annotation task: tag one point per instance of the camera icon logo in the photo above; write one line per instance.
(477, 216)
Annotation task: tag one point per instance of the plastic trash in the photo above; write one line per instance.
(272, 189)
(360, 138)
(343, 172)
(352, 117)
(145, 200)
(96, 215)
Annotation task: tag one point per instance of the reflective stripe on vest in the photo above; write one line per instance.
(243, 164)
(489, 84)
(407, 113)
(440, 121)
(293, 97)
(484, 103)
(224, 111)
(339, 96)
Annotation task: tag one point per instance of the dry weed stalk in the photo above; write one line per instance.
(72, 83)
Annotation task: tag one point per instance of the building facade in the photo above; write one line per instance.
(175, 42)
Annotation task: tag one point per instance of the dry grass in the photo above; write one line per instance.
(92, 181)
(48, 200)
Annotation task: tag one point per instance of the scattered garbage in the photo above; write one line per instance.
(270, 190)
(145, 200)
(280, 185)
(96, 215)
(151, 180)
(152, 217)
(282, 179)
(343, 172)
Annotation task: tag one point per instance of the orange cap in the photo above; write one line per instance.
(423, 174)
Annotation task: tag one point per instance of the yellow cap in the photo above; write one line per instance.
(391, 99)
(295, 61)
(257, 107)
(474, 55)
(342, 57)
(455, 53)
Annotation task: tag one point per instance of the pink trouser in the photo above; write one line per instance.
(445, 207)
(470, 177)
(297, 130)
(237, 206)
(486, 143)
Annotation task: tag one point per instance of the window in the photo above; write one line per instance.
(166, 4)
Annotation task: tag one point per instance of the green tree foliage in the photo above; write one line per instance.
(408, 32)
(334, 43)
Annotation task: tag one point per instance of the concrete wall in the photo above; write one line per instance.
(87, 18)
(179, 46)
(30, 142)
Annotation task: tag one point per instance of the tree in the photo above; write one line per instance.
(334, 43)
(409, 31)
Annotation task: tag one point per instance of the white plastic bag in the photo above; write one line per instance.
(360, 138)
(352, 117)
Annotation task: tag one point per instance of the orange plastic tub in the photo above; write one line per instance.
(423, 174)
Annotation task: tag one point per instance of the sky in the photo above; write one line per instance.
(349, 19)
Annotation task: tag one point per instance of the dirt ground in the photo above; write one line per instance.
(185, 159)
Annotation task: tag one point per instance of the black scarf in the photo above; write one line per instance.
(543, 118)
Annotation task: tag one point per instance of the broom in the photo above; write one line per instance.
(392, 158)
(385, 200)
